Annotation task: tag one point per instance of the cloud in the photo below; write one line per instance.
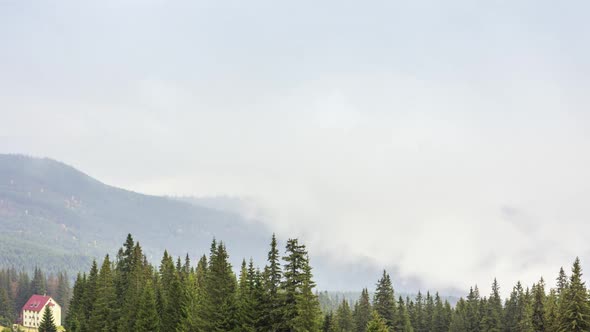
(446, 142)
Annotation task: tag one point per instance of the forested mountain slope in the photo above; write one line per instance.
(56, 217)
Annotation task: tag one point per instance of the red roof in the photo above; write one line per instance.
(37, 302)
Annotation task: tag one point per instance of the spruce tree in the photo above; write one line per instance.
(538, 306)
(344, 321)
(220, 292)
(102, 315)
(439, 319)
(473, 315)
(574, 310)
(272, 315)
(308, 307)
(377, 323)
(47, 323)
(147, 314)
(362, 311)
(492, 315)
(295, 262)
(403, 323)
(384, 301)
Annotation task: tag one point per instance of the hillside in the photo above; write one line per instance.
(55, 216)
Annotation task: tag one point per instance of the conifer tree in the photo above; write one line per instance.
(147, 313)
(417, 314)
(552, 311)
(220, 292)
(246, 301)
(344, 321)
(362, 311)
(272, 315)
(458, 321)
(473, 315)
(492, 315)
(574, 310)
(403, 323)
(75, 313)
(39, 282)
(384, 301)
(562, 282)
(47, 323)
(295, 259)
(307, 304)
(102, 315)
(538, 306)
(439, 317)
(329, 324)
(377, 323)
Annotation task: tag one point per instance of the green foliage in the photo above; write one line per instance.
(362, 311)
(377, 323)
(47, 323)
(384, 301)
(574, 311)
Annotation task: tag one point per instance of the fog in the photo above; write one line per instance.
(448, 141)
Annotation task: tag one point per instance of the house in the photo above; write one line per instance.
(32, 313)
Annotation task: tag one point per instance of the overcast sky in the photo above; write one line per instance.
(448, 138)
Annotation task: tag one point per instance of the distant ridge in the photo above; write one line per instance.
(54, 216)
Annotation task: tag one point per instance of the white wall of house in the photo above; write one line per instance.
(33, 318)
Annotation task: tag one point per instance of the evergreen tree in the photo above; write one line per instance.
(102, 315)
(329, 324)
(417, 314)
(295, 260)
(458, 320)
(492, 315)
(75, 314)
(308, 307)
(147, 313)
(39, 283)
(439, 317)
(377, 323)
(384, 301)
(220, 292)
(538, 306)
(64, 292)
(47, 323)
(362, 311)
(344, 320)
(403, 323)
(552, 311)
(272, 315)
(473, 315)
(562, 283)
(246, 301)
(574, 310)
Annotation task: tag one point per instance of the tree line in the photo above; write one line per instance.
(130, 294)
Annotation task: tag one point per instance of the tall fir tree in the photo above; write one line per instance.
(220, 292)
(384, 300)
(538, 306)
(362, 311)
(102, 318)
(574, 310)
(272, 315)
(492, 315)
(403, 323)
(344, 320)
(148, 319)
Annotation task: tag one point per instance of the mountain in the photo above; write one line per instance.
(55, 217)
(58, 218)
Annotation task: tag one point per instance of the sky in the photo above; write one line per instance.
(449, 140)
